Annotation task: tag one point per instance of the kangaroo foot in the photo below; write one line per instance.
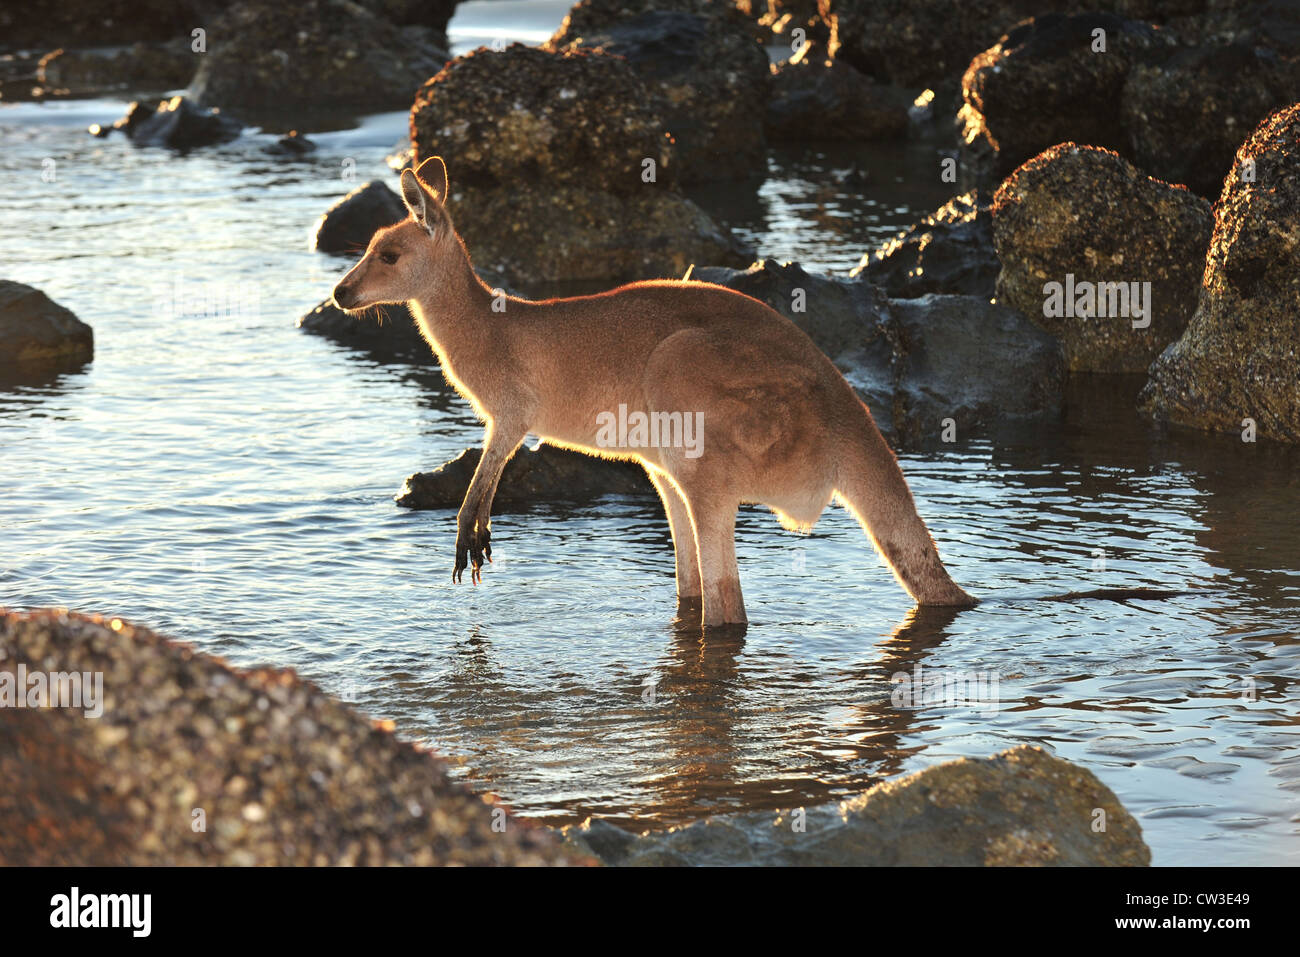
(473, 547)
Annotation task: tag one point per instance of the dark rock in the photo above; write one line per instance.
(918, 362)
(950, 251)
(1186, 118)
(1021, 807)
(546, 155)
(544, 474)
(389, 331)
(280, 772)
(703, 67)
(1238, 356)
(346, 227)
(292, 143)
(1086, 212)
(90, 23)
(36, 330)
(814, 98)
(318, 53)
(156, 67)
(176, 124)
(1043, 84)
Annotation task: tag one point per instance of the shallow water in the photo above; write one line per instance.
(228, 479)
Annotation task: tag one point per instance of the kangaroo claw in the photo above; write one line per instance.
(472, 550)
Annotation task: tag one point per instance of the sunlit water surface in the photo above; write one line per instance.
(229, 480)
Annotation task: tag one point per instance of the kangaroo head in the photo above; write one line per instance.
(410, 256)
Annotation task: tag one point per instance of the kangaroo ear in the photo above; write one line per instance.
(416, 197)
(433, 174)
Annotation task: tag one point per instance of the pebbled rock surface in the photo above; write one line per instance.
(282, 772)
(1240, 355)
(1088, 212)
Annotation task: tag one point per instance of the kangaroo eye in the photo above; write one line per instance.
(388, 258)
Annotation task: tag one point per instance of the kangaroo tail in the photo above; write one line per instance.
(871, 486)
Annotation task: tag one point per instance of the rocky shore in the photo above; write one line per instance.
(175, 758)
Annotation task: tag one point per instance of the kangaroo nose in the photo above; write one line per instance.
(342, 296)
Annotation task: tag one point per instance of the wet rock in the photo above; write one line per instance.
(921, 361)
(966, 364)
(950, 251)
(815, 98)
(144, 66)
(1021, 807)
(348, 225)
(176, 124)
(194, 762)
(35, 330)
(292, 144)
(549, 156)
(703, 67)
(1186, 118)
(318, 53)
(1076, 211)
(1238, 356)
(1044, 83)
(389, 331)
(544, 474)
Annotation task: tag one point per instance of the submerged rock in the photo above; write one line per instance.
(1237, 359)
(1045, 83)
(317, 53)
(543, 474)
(348, 225)
(1021, 807)
(703, 67)
(919, 362)
(950, 251)
(176, 124)
(35, 329)
(194, 762)
(815, 98)
(1086, 219)
(560, 169)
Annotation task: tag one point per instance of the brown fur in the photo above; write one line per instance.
(781, 427)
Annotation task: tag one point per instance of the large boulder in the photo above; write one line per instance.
(1238, 358)
(36, 330)
(170, 757)
(319, 53)
(543, 474)
(1045, 83)
(703, 66)
(1021, 807)
(950, 251)
(90, 23)
(348, 225)
(1087, 221)
(816, 98)
(919, 362)
(560, 169)
(1185, 118)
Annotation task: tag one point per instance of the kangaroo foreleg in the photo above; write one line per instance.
(474, 521)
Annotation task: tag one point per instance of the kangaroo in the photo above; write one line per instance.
(781, 426)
